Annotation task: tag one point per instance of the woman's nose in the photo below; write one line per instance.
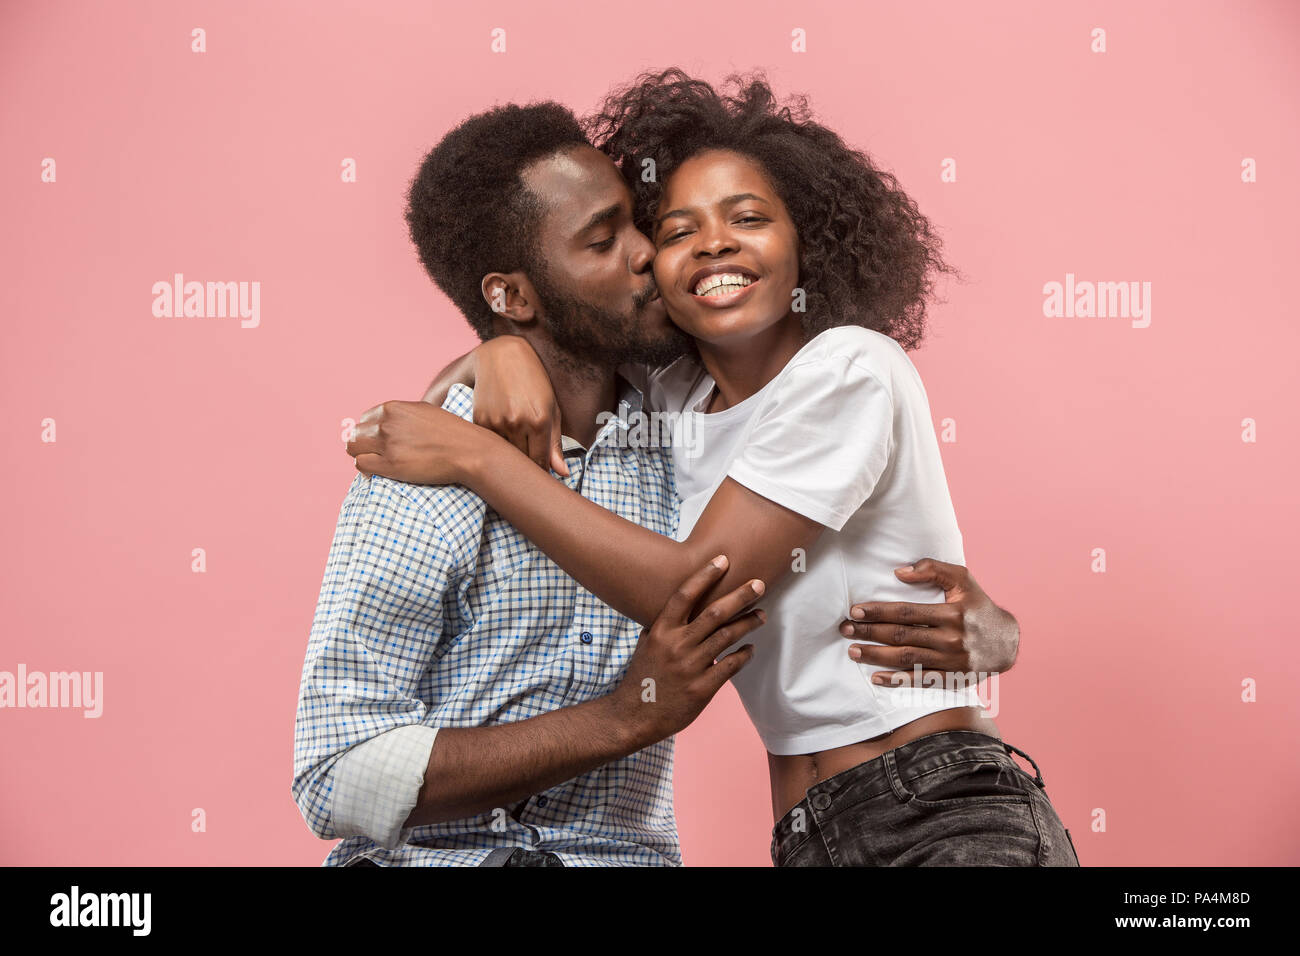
(715, 241)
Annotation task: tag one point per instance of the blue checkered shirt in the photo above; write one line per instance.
(435, 612)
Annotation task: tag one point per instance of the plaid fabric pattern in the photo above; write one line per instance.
(435, 612)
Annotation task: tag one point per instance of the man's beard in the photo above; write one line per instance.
(587, 336)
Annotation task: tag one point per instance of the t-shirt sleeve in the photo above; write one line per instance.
(821, 441)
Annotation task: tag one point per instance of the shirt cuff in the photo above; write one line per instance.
(376, 784)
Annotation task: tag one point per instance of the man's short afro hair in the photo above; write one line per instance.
(468, 209)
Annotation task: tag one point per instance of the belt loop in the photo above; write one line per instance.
(500, 856)
(1038, 773)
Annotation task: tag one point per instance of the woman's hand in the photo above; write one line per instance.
(417, 443)
(513, 397)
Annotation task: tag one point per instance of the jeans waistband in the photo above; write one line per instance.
(916, 757)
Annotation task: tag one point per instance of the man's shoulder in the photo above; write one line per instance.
(419, 516)
(432, 501)
(460, 401)
(441, 505)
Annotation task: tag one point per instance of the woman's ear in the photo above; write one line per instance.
(510, 295)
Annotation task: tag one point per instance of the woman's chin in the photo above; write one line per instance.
(721, 327)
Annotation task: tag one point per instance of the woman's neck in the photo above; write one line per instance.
(742, 367)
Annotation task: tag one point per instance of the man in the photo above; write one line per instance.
(463, 702)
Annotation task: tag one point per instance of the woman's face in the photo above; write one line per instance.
(727, 254)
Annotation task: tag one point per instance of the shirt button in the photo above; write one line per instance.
(541, 801)
(821, 801)
(586, 637)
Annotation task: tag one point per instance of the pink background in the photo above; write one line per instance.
(1073, 433)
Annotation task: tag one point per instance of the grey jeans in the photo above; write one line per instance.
(954, 798)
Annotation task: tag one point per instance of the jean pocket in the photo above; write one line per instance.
(1072, 848)
(965, 783)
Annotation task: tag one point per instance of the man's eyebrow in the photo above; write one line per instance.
(729, 201)
(605, 215)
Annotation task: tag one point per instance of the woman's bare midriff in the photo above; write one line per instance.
(793, 775)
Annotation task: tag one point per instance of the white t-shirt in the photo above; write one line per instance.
(842, 435)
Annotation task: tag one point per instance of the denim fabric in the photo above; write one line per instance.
(954, 798)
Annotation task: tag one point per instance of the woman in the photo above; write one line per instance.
(801, 273)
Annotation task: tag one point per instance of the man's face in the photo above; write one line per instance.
(593, 267)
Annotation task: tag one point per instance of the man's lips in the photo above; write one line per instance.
(641, 299)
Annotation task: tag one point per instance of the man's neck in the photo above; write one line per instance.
(582, 391)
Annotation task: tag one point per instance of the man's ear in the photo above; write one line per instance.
(511, 296)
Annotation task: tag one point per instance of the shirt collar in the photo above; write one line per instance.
(630, 404)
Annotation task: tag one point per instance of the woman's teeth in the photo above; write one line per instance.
(722, 284)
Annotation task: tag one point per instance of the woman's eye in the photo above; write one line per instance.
(752, 218)
(672, 236)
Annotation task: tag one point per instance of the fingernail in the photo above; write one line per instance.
(757, 585)
(878, 680)
(906, 567)
(846, 630)
(762, 615)
(857, 613)
(855, 653)
(720, 561)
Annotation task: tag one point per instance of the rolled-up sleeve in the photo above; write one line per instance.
(377, 782)
(361, 740)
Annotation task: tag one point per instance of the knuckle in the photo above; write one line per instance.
(725, 635)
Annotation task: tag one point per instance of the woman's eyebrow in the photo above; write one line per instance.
(729, 201)
(741, 197)
(670, 214)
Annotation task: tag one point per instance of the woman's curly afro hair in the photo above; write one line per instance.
(867, 251)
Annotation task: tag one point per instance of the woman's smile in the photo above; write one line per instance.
(723, 285)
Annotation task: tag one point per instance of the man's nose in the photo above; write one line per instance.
(642, 256)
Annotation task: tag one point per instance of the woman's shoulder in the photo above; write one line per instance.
(855, 342)
(850, 353)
